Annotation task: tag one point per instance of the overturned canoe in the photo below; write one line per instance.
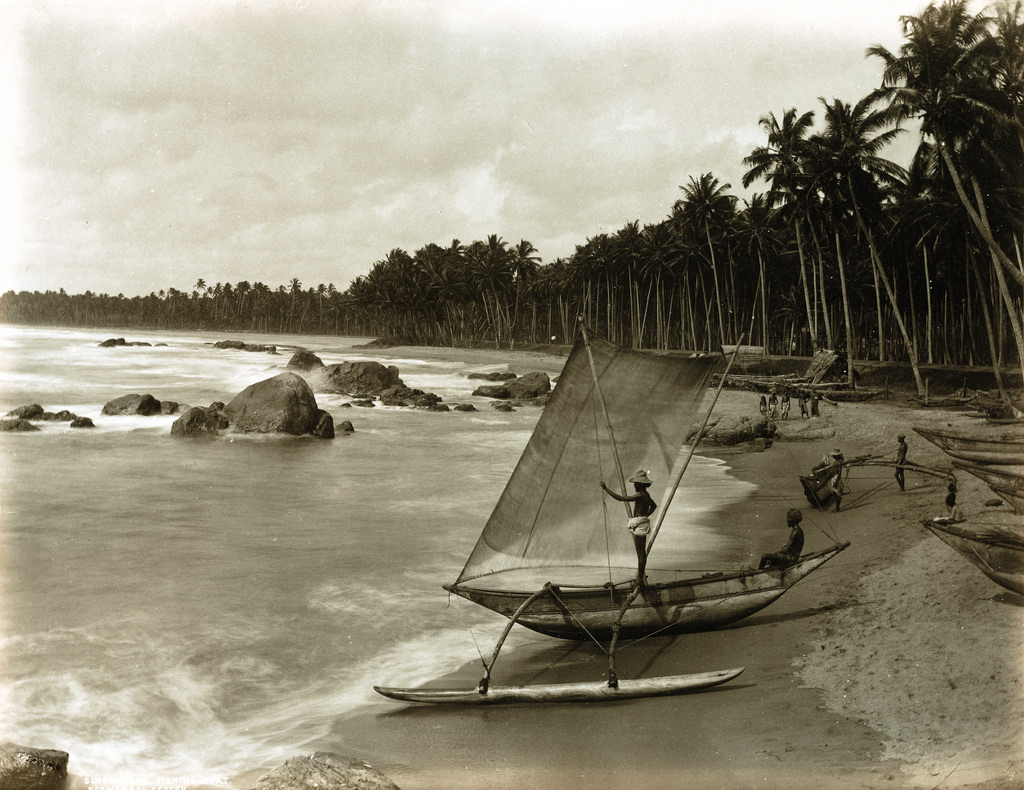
(566, 692)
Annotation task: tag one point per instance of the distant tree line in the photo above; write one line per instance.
(844, 249)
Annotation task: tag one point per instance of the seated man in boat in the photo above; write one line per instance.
(639, 523)
(789, 553)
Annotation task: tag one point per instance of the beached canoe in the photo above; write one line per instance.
(1007, 449)
(1007, 478)
(566, 692)
(996, 552)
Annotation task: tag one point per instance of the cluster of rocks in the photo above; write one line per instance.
(286, 404)
(120, 341)
(281, 404)
(142, 405)
(20, 419)
(238, 345)
(531, 388)
(28, 768)
(367, 382)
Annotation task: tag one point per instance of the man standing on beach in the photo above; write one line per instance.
(639, 523)
(789, 553)
(901, 458)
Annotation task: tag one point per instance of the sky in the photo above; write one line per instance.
(149, 145)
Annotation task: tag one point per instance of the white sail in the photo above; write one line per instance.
(552, 512)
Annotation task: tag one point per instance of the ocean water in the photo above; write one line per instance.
(208, 608)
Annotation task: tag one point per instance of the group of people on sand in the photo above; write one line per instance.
(773, 406)
(830, 468)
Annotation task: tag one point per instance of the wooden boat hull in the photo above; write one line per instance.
(977, 451)
(1007, 478)
(676, 607)
(817, 490)
(997, 554)
(566, 692)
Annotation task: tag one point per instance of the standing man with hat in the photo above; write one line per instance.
(639, 523)
(789, 553)
(901, 458)
(834, 471)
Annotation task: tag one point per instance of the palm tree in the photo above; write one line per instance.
(953, 74)
(782, 163)
(849, 170)
(706, 204)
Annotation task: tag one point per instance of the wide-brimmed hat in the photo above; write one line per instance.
(640, 477)
(837, 453)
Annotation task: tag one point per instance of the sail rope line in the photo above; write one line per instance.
(604, 507)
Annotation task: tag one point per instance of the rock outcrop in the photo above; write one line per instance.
(31, 412)
(404, 396)
(200, 421)
(531, 385)
(304, 361)
(35, 412)
(324, 771)
(238, 345)
(281, 404)
(120, 341)
(17, 425)
(144, 405)
(365, 379)
(25, 768)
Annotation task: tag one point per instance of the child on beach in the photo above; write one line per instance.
(952, 508)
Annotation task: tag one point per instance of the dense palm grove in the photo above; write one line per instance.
(843, 249)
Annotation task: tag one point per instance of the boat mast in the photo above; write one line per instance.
(604, 409)
(693, 446)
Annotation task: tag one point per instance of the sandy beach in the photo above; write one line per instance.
(897, 665)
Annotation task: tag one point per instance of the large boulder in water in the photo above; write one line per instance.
(304, 360)
(199, 421)
(282, 404)
(530, 385)
(26, 768)
(364, 379)
(31, 412)
(17, 425)
(325, 771)
(145, 405)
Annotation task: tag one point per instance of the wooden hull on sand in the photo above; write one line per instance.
(998, 553)
(566, 692)
(1003, 450)
(675, 607)
(1007, 478)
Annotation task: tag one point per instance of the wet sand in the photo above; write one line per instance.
(895, 665)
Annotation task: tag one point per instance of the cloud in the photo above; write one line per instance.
(266, 141)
